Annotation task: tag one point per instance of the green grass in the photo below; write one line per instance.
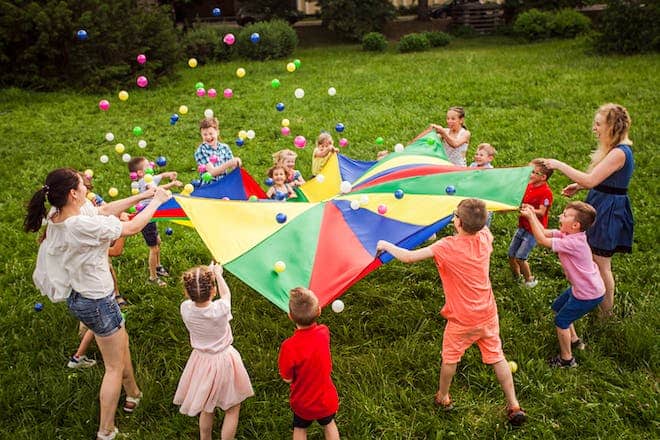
(527, 100)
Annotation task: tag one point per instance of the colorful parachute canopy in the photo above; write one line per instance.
(329, 245)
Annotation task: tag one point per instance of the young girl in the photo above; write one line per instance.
(214, 375)
(456, 137)
(322, 152)
(287, 159)
(280, 190)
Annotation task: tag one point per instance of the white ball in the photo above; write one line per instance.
(364, 199)
(208, 113)
(355, 205)
(332, 91)
(398, 148)
(345, 187)
(142, 143)
(104, 159)
(320, 178)
(251, 134)
(109, 137)
(337, 306)
(126, 157)
(134, 185)
(299, 93)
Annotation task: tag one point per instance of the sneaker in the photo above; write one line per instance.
(158, 282)
(516, 415)
(445, 404)
(558, 362)
(162, 272)
(531, 283)
(81, 362)
(578, 345)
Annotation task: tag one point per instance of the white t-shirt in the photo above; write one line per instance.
(208, 326)
(74, 255)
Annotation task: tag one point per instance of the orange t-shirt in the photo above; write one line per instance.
(463, 263)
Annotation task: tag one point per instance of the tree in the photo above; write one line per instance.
(423, 10)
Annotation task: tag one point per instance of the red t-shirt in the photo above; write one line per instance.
(537, 196)
(305, 358)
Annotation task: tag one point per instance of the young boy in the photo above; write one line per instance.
(463, 262)
(587, 289)
(538, 195)
(140, 166)
(213, 156)
(305, 363)
(484, 156)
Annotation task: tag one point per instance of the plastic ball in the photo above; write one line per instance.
(99, 200)
(91, 196)
(88, 173)
(253, 198)
(291, 67)
(208, 113)
(148, 178)
(212, 93)
(320, 178)
(379, 140)
(275, 83)
(207, 177)
(214, 159)
(332, 91)
(109, 137)
(339, 127)
(343, 142)
(337, 306)
(119, 148)
(255, 38)
(299, 93)
(430, 141)
(280, 195)
(183, 109)
(345, 187)
(513, 366)
(38, 307)
(216, 12)
(285, 131)
(285, 122)
(174, 118)
(201, 168)
(161, 161)
(142, 143)
(200, 92)
(268, 181)
(141, 58)
(229, 39)
(228, 93)
(251, 134)
(279, 266)
(112, 192)
(279, 106)
(242, 134)
(82, 34)
(123, 95)
(382, 209)
(149, 170)
(135, 191)
(134, 176)
(126, 157)
(398, 148)
(398, 194)
(104, 105)
(187, 189)
(104, 159)
(168, 231)
(297, 63)
(199, 85)
(142, 81)
(132, 210)
(240, 142)
(192, 62)
(355, 205)
(139, 207)
(280, 217)
(300, 141)
(450, 189)
(137, 131)
(240, 72)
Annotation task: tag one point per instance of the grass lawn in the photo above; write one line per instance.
(527, 100)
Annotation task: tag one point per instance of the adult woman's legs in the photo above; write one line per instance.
(113, 350)
(605, 267)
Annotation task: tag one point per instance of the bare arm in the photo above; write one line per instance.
(223, 288)
(404, 255)
(169, 185)
(224, 167)
(142, 218)
(422, 134)
(542, 235)
(455, 142)
(119, 206)
(613, 162)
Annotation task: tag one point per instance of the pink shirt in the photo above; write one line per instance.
(576, 260)
(208, 326)
(463, 263)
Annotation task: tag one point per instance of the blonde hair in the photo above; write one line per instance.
(303, 306)
(198, 283)
(618, 124)
(488, 148)
(325, 136)
(279, 156)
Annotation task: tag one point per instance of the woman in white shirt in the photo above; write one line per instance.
(73, 265)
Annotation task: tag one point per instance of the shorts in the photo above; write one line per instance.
(299, 422)
(569, 309)
(458, 338)
(101, 316)
(522, 244)
(150, 234)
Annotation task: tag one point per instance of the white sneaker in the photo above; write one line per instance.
(531, 283)
(82, 362)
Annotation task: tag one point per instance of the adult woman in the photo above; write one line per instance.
(73, 265)
(607, 178)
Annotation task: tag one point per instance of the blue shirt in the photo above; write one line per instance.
(205, 151)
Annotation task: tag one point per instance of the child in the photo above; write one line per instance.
(287, 158)
(305, 362)
(484, 156)
(539, 196)
(587, 289)
(139, 165)
(463, 262)
(456, 137)
(280, 190)
(214, 375)
(215, 156)
(322, 153)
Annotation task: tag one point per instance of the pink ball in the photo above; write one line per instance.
(228, 93)
(142, 81)
(343, 142)
(225, 198)
(139, 207)
(212, 93)
(285, 131)
(133, 175)
(104, 105)
(300, 141)
(229, 39)
(212, 159)
(382, 209)
(142, 58)
(201, 92)
(201, 168)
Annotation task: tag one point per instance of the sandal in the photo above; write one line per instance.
(516, 415)
(446, 404)
(132, 403)
(111, 436)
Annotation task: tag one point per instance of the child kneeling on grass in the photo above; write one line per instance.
(463, 262)
(587, 289)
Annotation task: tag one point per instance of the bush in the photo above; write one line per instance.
(39, 49)
(533, 25)
(374, 42)
(437, 39)
(354, 18)
(278, 40)
(413, 42)
(628, 27)
(569, 23)
(205, 44)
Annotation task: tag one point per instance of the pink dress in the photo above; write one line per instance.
(214, 375)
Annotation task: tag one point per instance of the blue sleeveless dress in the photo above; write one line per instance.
(613, 229)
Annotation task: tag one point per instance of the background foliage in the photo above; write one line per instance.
(353, 18)
(278, 40)
(629, 26)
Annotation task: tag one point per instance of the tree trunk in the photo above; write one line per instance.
(423, 10)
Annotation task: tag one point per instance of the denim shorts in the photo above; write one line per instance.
(569, 309)
(150, 234)
(522, 244)
(101, 316)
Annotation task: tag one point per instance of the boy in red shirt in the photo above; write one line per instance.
(305, 363)
(463, 262)
(538, 195)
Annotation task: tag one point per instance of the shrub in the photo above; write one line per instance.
(278, 40)
(205, 44)
(354, 18)
(413, 42)
(628, 27)
(374, 41)
(533, 25)
(569, 23)
(437, 39)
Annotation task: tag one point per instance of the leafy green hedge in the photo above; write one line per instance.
(538, 25)
(205, 43)
(437, 39)
(374, 42)
(354, 18)
(413, 42)
(629, 27)
(277, 40)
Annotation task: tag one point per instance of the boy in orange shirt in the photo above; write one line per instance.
(463, 262)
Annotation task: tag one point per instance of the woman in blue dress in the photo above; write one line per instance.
(607, 179)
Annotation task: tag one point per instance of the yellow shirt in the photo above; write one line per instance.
(318, 163)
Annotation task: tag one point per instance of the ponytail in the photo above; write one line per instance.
(36, 210)
(56, 190)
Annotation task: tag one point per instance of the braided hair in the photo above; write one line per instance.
(199, 283)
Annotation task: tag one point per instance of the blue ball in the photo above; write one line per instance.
(280, 217)
(279, 195)
(339, 127)
(196, 183)
(99, 200)
(174, 117)
(268, 181)
(81, 34)
(450, 189)
(279, 106)
(398, 193)
(169, 231)
(239, 142)
(38, 307)
(255, 37)
(216, 12)
(161, 161)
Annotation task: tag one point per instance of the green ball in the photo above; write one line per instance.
(430, 141)
(297, 63)
(379, 140)
(123, 315)
(199, 85)
(275, 83)
(132, 210)
(252, 198)
(149, 171)
(137, 131)
(207, 177)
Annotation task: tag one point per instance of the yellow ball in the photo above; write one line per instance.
(119, 148)
(187, 189)
(148, 178)
(90, 195)
(279, 266)
(183, 109)
(112, 192)
(89, 173)
(123, 95)
(192, 62)
(135, 191)
(240, 72)
(242, 134)
(291, 67)
(285, 122)
(513, 366)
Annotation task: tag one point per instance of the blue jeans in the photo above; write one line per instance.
(522, 244)
(101, 316)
